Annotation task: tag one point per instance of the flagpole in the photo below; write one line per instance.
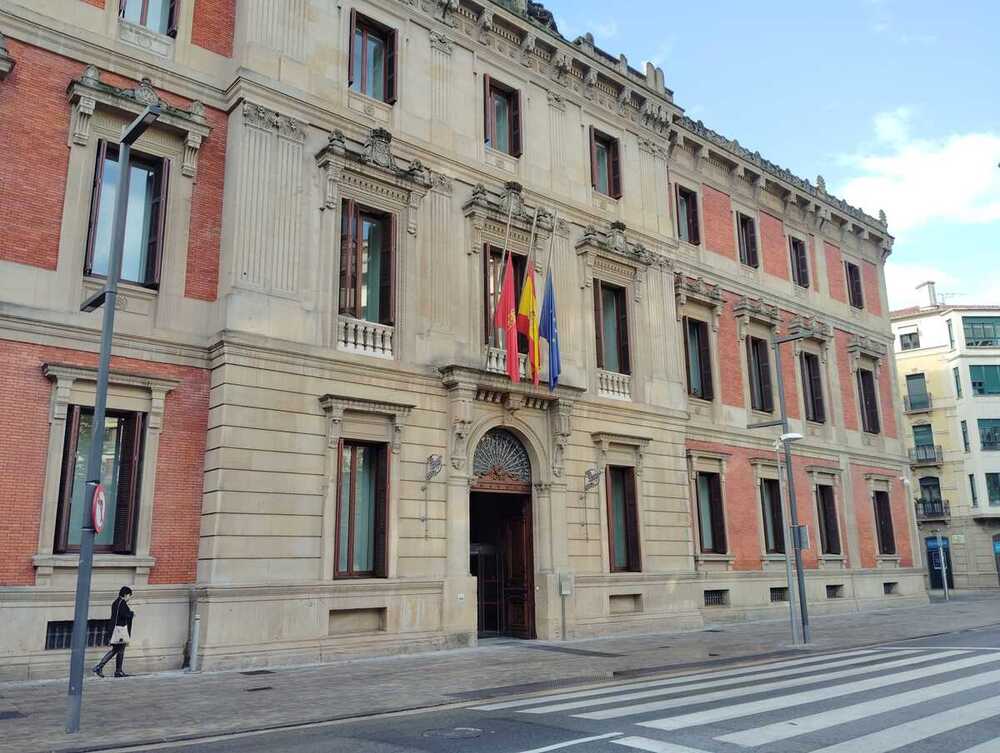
(503, 263)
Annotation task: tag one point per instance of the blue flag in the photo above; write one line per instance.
(547, 328)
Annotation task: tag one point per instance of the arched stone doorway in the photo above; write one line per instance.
(500, 536)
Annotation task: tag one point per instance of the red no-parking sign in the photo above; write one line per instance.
(99, 508)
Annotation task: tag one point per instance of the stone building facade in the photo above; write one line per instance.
(316, 448)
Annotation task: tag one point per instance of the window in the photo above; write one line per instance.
(156, 15)
(492, 281)
(958, 381)
(502, 117)
(883, 523)
(989, 433)
(759, 371)
(623, 520)
(59, 633)
(371, 66)
(981, 331)
(144, 221)
(747, 233)
(687, 216)
(869, 403)
(856, 294)
(361, 511)
(930, 489)
(367, 274)
(951, 335)
(829, 530)
(908, 340)
(973, 495)
(800, 263)
(121, 470)
(993, 489)
(985, 379)
(698, 357)
(965, 436)
(770, 504)
(711, 519)
(812, 385)
(917, 397)
(611, 325)
(835, 592)
(605, 164)
(923, 435)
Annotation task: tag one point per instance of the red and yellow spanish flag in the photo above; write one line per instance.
(506, 321)
(527, 319)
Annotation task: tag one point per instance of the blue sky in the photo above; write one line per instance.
(895, 102)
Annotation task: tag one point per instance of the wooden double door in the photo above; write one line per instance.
(501, 561)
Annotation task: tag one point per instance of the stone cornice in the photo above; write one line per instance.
(755, 309)
(57, 371)
(509, 202)
(614, 242)
(7, 63)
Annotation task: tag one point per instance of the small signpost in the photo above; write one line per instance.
(99, 508)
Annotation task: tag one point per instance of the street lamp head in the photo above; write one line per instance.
(791, 436)
(137, 127)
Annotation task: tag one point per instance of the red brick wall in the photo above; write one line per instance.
(886, 393)
(214, 22)
(872, 289)
(717, 210)
(835, 272)
(730, 357)
(847, 381)
(774, 246)
(24, 435)
(98, 3)
(865, 514)
(33, 138)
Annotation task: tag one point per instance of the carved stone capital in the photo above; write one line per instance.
(441, 43)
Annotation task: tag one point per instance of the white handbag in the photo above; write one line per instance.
(120, 635)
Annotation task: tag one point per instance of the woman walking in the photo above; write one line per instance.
(121, 633)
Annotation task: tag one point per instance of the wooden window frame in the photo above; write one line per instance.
(827, 520)
(747, 240)
(353, 215)
(172, 8)
(519, 262)
(777, 513)
(885, 535)
(380, 541)
(956, 373)
(868, 403)
(634, 564)
(855, 286)
(390, 39)
(624, 349)
(516, 126)
(759, 374)
(798, 251)
(614, 163)
(132, 445)
(689, 218)
(812, 387)
(716, 512)
(974, 498)
(155, 241)
(704, 359)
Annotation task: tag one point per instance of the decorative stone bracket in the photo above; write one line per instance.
(334, 406)
(88, 92)
(697, 290)
(749, 310)
(861, 347)
(610, 251)
(487, 211)
(7, 63)
(603, 441)
(561, 428)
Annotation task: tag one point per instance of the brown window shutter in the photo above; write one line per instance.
(718, 516)
(687, 352)
(632, 521)
(615, 169)
(692, 207)
(623, 342)
(609, 498)
(95, 204)
(489, 115)
(751, 241)
(129, 477)
(172, 18)
(387, 274)
(599, 323)
(391, 74)
(763, 357)
(807, 389)
(347, 253)
(339, 475)
(66, 481)
(861, 400)
(381, 512)
(593, 158)
(515, 124)
(751, 369)
(705, 354)
(682, 216)
(158, 209)
(351, 73)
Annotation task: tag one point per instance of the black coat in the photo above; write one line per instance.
(121, 615)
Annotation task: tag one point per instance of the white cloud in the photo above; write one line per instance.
(901, 280)
(663, 50)
(922, 181)
(605, 29)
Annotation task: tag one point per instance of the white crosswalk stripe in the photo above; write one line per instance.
(990, 746)
(654, 746)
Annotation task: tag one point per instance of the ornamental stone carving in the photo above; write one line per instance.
(7, 63)
(487, 207)
(441, 43)
(501, 461)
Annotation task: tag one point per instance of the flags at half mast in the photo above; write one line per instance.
(527, 320)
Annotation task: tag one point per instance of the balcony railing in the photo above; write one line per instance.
(496, 362)
(614, 385)
(359, 336)
(926, 454)
(933, 509)
(918, 403)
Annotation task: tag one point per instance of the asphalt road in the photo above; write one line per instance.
(931, 695)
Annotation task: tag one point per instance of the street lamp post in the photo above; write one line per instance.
(107, 298)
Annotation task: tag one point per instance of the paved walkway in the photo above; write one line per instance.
(176, 705)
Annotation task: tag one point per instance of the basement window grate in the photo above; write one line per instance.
(890, 588)
(835, 592)
(779, 594)
(717, 598)
(58, 634)
(254, 672)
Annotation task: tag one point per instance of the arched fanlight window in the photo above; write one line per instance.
(501, 462)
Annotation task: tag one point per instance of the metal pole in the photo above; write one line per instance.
(944, 567)
(792, 507)
(78, 642)
(788, 564)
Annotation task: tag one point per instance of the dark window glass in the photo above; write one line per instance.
(372, 59)
(965, 435)
(993, 489)
(747, 234)
(759, 371)
(121, 470)
(923, 435)
(697, 354)
(829, 530)
(156, 15)
(711, 518)
(503, 117)
(909, 340)
(362, 501)
(623, 520)
(883, 523)
(611, 326)
(989, 433)
(687, 216)
(812, 384)
(958, 381)
(770, 504)
(800, 262)
(605, 164)
(930, 489)
(855, 292)
(985, 379)
(981, 331)
(493, 280)
(916, 392)
(144, 220)
(974, 496)
(869, 403)
(367, 274)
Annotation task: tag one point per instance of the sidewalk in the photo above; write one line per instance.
(176, 706)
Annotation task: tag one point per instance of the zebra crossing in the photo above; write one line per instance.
(872, 700)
